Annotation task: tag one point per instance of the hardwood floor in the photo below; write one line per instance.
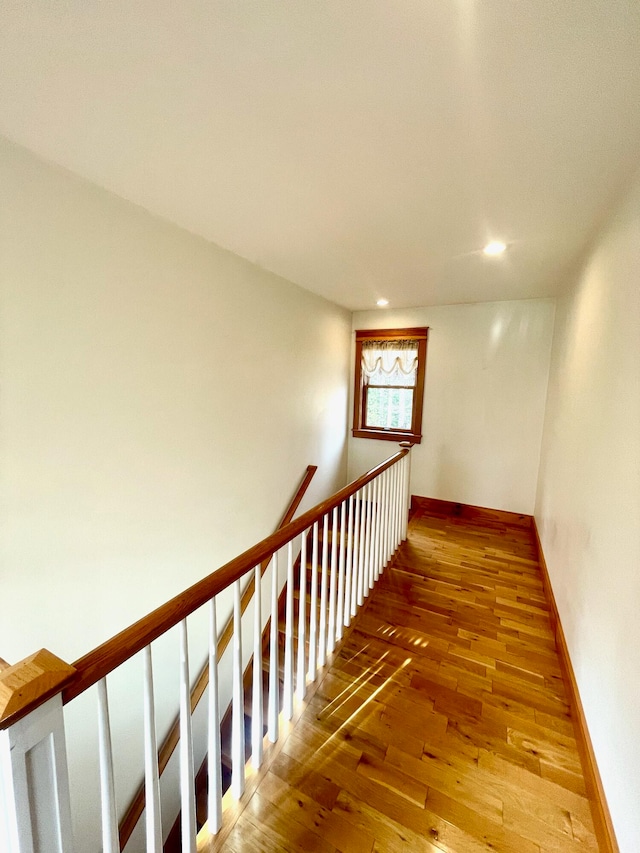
(442, 723)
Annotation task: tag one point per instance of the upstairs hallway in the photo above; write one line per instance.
(442, 722)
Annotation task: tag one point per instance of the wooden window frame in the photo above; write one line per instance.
(414, 435)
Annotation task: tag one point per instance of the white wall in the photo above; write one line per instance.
(160, 400)
(485, 389)
(588, 505)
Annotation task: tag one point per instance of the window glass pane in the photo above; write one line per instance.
(389, 408)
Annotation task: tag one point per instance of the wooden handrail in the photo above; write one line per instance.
(105, 658)
(167, 748)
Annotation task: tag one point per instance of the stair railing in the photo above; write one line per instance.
(368, 521)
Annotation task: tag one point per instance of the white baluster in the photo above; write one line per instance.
(214, 759)
(374, 531)
(322, 650)
(383, 498)
(394, 509)
(110, 840)
(301, 680)
(287, 701)
(383, 520)
(237, 718)
(401, 466)
(355, 602)
(341, 562)
(398, 503)
(349, 565)
(187, 772)
(361, 544)
(331, 638)
(389, 513)
(378, 538)
(387, 516)
(257, 709)
(367, 542)
(313, 615)
(153, 819)
(374, 513)
(407, 494)
(274, 699)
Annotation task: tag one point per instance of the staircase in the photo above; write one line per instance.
(345, 542)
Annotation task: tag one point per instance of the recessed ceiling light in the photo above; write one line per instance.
(382, 303)
(495, 247)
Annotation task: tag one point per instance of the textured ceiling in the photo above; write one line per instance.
(359, 149)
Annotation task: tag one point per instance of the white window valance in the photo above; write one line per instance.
(389, 362)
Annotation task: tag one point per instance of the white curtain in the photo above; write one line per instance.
(389, 362)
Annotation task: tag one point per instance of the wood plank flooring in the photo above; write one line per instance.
(442, 722)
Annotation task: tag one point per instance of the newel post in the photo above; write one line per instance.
(406, 497)
(35, 814)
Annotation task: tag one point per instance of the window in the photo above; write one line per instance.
(389, 384)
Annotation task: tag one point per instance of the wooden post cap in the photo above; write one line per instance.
(27, 684)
